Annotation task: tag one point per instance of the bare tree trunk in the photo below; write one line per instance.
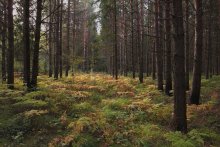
(154, 62)
(158, 46)
(141, 41)
(10, 52)
(126, 66)
(217, 54)
(35, 66)
(50, 41)
(115, 40)
(26, 39)
(4, 30)
(209, 67)
(68, 40)
(187, 45)
(61, 39)
(168, 49)
(132, 39)
(179, 70)
(57, 41)
(197, 70)
(74, 32)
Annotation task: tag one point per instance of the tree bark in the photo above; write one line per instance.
(132, 39)
(179, 70)
(57, 54)
(35, 66)
(197, 66)
(10, 52)
(158, 45)
(68, 40)
(115, 40)
(50, 41)
(141, 34)
(61, 39)
(187, 45)
(26, 40)
(168, 49)
(4, 30)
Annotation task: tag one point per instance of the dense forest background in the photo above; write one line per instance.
(61, 58)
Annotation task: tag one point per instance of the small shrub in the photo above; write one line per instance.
(38, 95)
(29, 104)
(96, 98)
(81, 108)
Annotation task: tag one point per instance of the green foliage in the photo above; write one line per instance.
(117, 104)
(195, 138)
(112, 115)
(95, 110)
(81, 109)
(150, 135)
(85, 140)
(10, 93)
(178, 140)
(38, 95)
(209, 87)
(203, 135)
(161, 114)
(28, 104)
(96, 98)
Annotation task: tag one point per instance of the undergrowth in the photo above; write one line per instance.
(95, 110)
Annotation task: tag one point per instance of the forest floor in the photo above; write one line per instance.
(95, 110)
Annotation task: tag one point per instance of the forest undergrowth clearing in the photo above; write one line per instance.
(96, 110)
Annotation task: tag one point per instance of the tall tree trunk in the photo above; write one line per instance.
(57, 41)
(10, 52)
(209, 52)
(154, 61)
(85, 39)
(50, 40)
(197, 66)
(61, 39)
(168, 49)
(132, 39)
(179, 70)
(187, 45)
(209, 67)
(74, 32)
(35, 66)
(217, 54)
(4, 30)
(158, 45)
(141, 34)
(26, 39)
(126, 66)
(140, 53)
(115, 40)
(68, 40)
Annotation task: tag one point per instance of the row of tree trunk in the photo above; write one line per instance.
(150, 30)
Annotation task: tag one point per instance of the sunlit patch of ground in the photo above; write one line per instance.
(96, 110)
